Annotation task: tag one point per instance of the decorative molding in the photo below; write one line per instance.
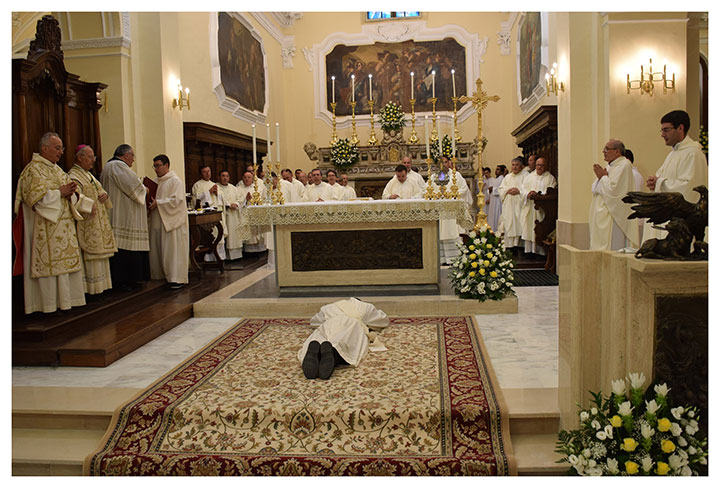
(538, 92)
(286, 19)
(96, 43)
(225, 102)
(505, 34)
(475, 50)
(287, 43)
(287, 52)
(125, 25)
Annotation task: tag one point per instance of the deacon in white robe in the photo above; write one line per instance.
(94, 232)
(401, 186)
(318, 190)
(231, 209)
(350, 326)
(52, 263)
(495, 207)
(610, 228)
(169, 241)
(128, 217)
(684, 168)
(510, 225)
(536, 182)
(348, 191)
(246, 188)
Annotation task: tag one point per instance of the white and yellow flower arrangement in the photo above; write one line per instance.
(343, 153)
(483, 270)
(392, 117)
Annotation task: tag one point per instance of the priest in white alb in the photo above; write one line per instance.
(317, 190)
(169, 244)
(254, 235)
(495, 207)
(534, 183)
(610, 228)
(287, 175)
(337, 189)
(510, 225)
(205, 191)
(94, 232)
(50, 205)
(401, 186)
(685, 167)
(231, 209)
(412, 175)
(348, 191)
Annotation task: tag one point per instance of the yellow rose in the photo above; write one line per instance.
(486, 263)
(663, 425)
(631, 467)
(489, 246)
(667, 446)
(629, 444)
(471, 247)
(616, 421)
(662, 468)
(474, 264)
(482, 271)
(471, 274)
(488, 255)
(493, 274)
(472, 256)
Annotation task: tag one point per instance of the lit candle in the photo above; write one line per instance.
(433, 83)
(277, 141)
(427, 137)
(412, 85)
(333, 88)
(352, 78)
(370, 77)
(453, 138)
(269, 153)
(254, 147)
(453, 79)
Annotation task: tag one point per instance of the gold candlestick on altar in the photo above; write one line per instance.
(413, 139)
(429, 192)
(454, 188)
(434, 133)
(334, 123)
(280, 200)
(255, 200)
(480, 100)
(354, 138)
(456, 133)
(373, 140)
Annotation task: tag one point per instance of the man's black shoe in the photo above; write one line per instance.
(327, 360)
(311, 361)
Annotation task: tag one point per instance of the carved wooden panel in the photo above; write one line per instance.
(357, 249)
(538, 135)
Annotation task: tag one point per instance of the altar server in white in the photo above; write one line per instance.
(168, 222)
(684, 168)
(348, 191)
(610, 228)
(401, 186)
(231, 210)
(495, 206)
(246, 188)
(512, 202)
(536, 182)
(345, 330)
(317, 190)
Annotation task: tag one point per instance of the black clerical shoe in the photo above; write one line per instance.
(311, 361)
(327, 360)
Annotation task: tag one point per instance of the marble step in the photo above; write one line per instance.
(52, 452)
(536, 456)
(532, 410)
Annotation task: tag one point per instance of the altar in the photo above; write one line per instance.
(373, 242)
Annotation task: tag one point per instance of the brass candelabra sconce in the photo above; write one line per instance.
(181, 101)
(551, 82)
(646, 83)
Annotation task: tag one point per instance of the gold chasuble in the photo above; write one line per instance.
(94, 233)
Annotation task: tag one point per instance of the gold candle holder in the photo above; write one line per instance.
(280, 200)
(255, 200)
(454, 188)
(354, 138)
(334, 139)
(429, 192)
(373, 140)
(458, 137)
(434, 133)
(413, 139)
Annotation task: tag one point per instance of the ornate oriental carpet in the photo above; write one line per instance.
(429, 405)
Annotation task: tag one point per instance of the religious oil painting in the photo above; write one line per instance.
(242, 64)
(390, 65)
(530, 58)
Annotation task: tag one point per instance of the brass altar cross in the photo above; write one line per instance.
(480, 100)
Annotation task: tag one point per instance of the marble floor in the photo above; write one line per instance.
(523, 348)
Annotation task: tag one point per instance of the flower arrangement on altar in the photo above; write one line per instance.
(483, 269)
(344, 154)
(392, 117)
(703, 139)
(634, 432)
(446, 148)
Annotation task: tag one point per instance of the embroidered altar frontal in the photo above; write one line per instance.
(241, 406)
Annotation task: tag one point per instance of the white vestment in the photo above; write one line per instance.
(299, 188)
(289, 191)
(128, 214)
(528, 214)
(406, 190)
(338, 191)
(323, 191)
(345, 325)
(201, 192)
(639, 186)
(510, 224)
(233, 242)
(256, 243)
(486, 192)
(416, 177)
(610, 228)
(169, 241)
(495, 207)
(685, 167)
(349, 193)
(449, 230)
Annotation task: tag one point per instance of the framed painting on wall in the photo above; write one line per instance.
(530, 53)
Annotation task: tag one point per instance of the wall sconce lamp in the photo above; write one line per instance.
(646, 83)
(551, 82)
(181, 102)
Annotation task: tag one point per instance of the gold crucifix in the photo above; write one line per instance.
(480, 100)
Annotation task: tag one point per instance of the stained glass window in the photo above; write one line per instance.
(390, 15)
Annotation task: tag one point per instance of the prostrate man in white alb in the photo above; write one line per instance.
(512, 202)
(348, 191)
(233, 202)
(684, 168)
(287, 175)
(128, 217)
(246, 188)
(94, 232)
(337, 188)
(610, 228)
(495, 206)
(317, 190)
(535, 183)
(52, 264)
(169, 244)
(401, 186)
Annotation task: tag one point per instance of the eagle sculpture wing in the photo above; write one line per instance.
(658, 207)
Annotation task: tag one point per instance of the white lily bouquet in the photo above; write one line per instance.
(392, 117)
(626, 434)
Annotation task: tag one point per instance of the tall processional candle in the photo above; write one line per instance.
(412, 85)
(352, 79)
(254, 147)
(277, 142)
(370, 78)
(453, 80)
(427, 137)
(269, 155)
(433, 83)
(452, 138)
(333, 88)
